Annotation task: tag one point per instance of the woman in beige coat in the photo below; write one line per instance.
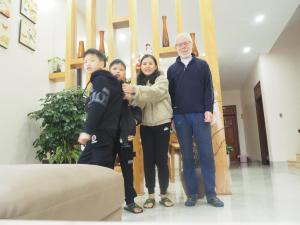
(152, 96)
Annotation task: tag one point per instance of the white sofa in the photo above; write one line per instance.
(60, 192)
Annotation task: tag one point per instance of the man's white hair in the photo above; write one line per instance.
(183, 35)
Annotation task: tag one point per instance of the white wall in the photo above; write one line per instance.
(24, 79)
(233, 97)
(249, 116)
(278, 72)
(281, 80)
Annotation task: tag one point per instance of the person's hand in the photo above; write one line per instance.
(84, 138)
(127, 97)
(208, 117)
(127, 89)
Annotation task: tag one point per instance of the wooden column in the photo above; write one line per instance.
(158, 51)
(70, 43)
(110, 30)
(178, 16)
(155, 30)
(218, 135)
(90, 20)
(138, 165)
(133, 38)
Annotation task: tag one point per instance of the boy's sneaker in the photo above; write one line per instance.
(191, 200)
(216, 202)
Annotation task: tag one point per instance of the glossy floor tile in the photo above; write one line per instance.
(259, 193)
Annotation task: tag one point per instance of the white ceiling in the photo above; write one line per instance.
(234, 25)
(235, 28)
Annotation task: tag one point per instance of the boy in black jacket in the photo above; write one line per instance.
(130, 117)
(103, 108)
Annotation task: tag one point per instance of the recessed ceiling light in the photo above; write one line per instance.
(247, 49)
(260, 18)
(122, 37)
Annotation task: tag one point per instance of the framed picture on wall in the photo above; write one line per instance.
(28, 9)
(4, 32)
(27, 34)
(5, 7)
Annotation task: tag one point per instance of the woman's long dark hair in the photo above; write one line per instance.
(142, 79)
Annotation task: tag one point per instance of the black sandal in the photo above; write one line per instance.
(165, 201)
(133, 207)
(149, 201)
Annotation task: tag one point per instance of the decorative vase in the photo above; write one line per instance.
(81, 50)
(199, 180)
(165, 36)
(194, 49)
(198, 172)
(101, 45)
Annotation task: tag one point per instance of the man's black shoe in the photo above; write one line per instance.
(216, 202)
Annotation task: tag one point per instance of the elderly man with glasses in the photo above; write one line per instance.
(191, 91)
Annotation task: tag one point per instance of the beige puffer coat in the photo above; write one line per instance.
(155, 102)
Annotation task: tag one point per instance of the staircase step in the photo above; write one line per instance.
(295, 164)
(298, 157)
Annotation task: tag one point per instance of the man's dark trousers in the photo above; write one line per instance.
(189, 126)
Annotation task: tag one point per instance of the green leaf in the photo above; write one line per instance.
(62, 116)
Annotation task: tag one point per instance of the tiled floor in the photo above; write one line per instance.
(260, 193)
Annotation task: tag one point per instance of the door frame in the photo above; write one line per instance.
(261, 124)
(233, 112)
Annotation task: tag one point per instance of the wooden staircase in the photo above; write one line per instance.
(295, 163)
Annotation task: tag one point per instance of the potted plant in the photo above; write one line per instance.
(62, 117)
(56, 64)
(229, 149)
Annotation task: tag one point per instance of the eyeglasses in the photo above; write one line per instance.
(183, 44)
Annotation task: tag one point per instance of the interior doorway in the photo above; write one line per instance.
(232, 131)
(261, 125)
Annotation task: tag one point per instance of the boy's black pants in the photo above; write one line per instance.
(99, 150)
(125, 154)
(155, 142)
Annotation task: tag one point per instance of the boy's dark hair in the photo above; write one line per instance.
(93, 51)
(117, 61)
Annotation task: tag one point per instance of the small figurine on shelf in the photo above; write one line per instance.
(127, 80)
(138, 65)
(148, 49)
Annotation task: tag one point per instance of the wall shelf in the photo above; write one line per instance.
(76, 63)
(56, 76)
(167, 52)
(120, 22)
